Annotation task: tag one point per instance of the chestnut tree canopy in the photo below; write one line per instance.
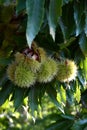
(43, 55)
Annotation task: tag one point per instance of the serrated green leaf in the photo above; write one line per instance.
(83, 43)
(69, 96)
(66, 22)
(55, 11)
(77, 94)
(21, 5)
(64, 29)
(35, 12)
(5, 92)
(18, 97)
(59, 97)
(33, 99)
(63, 95)
(53, 96)
(79, 16)
(85, 67)
(41, 91)
(69, 117)
(85, 28)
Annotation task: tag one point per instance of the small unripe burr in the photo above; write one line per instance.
(47, 71)
(24, 77)
(11, 71)
(67, 70)
(19, 57)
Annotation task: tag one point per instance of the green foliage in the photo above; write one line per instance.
(83, 43)
(33, 98)
(18, 100)
(60, 27)
(54, 10)
(77, 93)
(21, 5)
(35, 18)
(53, 96)
(5, 92)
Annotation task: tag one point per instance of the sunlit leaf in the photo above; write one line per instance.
(53, 96)
(77, 94)
(85, 67)
(63, 95)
